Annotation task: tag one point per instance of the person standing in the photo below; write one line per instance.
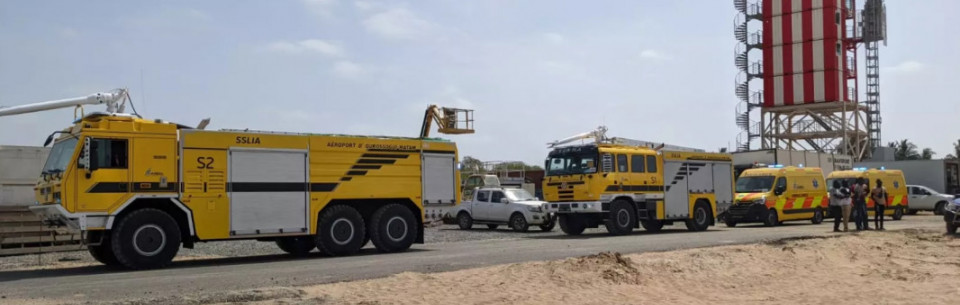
(879, 196)
(839, 206)
(859, 193)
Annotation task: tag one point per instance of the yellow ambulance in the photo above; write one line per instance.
(776, 194)
(893, 181)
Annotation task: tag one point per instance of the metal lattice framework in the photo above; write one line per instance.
(827, 127)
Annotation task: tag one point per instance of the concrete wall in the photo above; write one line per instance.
(20, 167)
(827, 162)
(929, 173)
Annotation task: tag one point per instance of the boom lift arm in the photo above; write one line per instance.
(449, 120)
(115, 101)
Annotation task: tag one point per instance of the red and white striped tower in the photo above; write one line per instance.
(809, 77)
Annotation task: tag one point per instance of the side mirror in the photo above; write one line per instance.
(504, 200)
(779, 190)
(49, 139)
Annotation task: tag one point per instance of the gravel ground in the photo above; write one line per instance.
(433, 235)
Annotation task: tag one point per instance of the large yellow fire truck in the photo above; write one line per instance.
(624, 184)
(140, 188)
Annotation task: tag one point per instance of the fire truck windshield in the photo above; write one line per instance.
(572, 162)
(60, 156)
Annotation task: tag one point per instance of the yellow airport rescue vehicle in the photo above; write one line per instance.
(140, 188)
(624, 184)
(893, 182)
(776, 194)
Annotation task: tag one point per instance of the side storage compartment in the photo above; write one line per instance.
(268, 191)
(439, 183)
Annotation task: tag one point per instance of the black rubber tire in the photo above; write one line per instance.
(572, 224)
(897, 213)
(771, 219)
(347, 224)
(519, 223)
(161, 240)
(730, 224)
(493, 227)
(817, 216)
(951, 228)
(552, 223)
(622, 218)
(701, 217)
(297, 246)
(103, 253)
(652, 225)
(465, 221)
(938, 209)
(393, 228)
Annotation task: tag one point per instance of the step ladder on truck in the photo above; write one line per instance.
(138, 189)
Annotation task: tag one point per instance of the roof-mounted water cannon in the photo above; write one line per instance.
(115, 101)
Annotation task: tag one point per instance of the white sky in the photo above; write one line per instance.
(535, 71)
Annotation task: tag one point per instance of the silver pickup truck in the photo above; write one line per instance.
(495, 206)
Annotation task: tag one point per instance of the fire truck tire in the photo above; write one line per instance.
(652, 225)
(622, 218)
(145, 239)
(340, 231)
(817, 216)
(465, 221)
(701, 217)
(296, 246)
(898, 213)
(572, 224)
(103, 253)
(393, 228)
(771, 219)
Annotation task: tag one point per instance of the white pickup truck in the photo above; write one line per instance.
(495, 206)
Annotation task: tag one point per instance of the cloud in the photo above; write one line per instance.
(366, 5)
(910, 66)
(306, 46)
(554, 38)
(653, 55)
(398, 24)
(197, 14)
(69, 33)
(321, 8)
(348, 70)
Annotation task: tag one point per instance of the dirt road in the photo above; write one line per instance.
(217, 280)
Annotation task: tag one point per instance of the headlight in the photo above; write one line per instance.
(760, 201)
(535, 209)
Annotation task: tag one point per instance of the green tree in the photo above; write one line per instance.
(956, 151)
(906, 150)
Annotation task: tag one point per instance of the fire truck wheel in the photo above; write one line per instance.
(572, 224)
(898, 213)
(393, 228)
(103, 253)
(297, 246)
(465, 221)
(145, 239)
(652, 225)
(771, 219)
(340, 231)
(701, 217)
(622, 218)
(817, 216)
(519, 223)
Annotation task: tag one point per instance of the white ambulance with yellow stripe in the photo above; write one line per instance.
(776, 194)
(893, 182)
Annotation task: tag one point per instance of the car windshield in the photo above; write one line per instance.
(755, 184)
(60, 156)
(518, 195)
(572, 161)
